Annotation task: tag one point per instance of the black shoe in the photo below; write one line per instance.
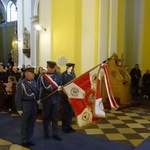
(66, 130)
(57, 137)
(31, 143)
(71, 129)
(25, 144)
(46, 136)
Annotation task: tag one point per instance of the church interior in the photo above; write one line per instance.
(87, 33)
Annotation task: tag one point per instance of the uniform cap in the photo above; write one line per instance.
(51, 64)
(70, 65)
(28, 69)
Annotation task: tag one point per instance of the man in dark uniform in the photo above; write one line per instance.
(48, 83)
(67, 114)
(26, 97)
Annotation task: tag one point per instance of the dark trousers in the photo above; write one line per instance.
(27, 126)
(134, 87)
(67, 114)
(9, 102)
(50, 110)
(146, 90)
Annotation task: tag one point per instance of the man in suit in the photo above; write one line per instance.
(135, 74)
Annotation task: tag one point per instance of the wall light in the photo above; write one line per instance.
(35, 21)
(39, 27)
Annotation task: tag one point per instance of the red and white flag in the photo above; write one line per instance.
(85, 98)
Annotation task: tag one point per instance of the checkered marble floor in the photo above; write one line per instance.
(129, 126)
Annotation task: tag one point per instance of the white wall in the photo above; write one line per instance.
(45, 50)
(107, 28)
(24, 15)
(20, 32)
(40, 41)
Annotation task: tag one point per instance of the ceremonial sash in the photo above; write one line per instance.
(50, 81)
(108, 88)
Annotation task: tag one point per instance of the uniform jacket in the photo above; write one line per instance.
(26, 92)
(67, 77)
(46, 88)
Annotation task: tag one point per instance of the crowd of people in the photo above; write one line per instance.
(44, 89)
(136, 77)
(33, 89)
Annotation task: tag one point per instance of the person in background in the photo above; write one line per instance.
(9, 89)
(26, 100)
(16, 73)
(10, 59)
(9, 69)
(135, 74)
(3, 75)
(50, 82)
(67, 112)
(58, 69)
(39, 71)
(1, 63)
(146, 84)
(23, 67)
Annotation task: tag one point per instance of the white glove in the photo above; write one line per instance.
(69, 70)
(59, 88)
(39, 101)
(20, 112)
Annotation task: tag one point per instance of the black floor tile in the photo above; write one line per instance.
(120, 126)
(110, 131)
(130, 136)
(141, 130)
